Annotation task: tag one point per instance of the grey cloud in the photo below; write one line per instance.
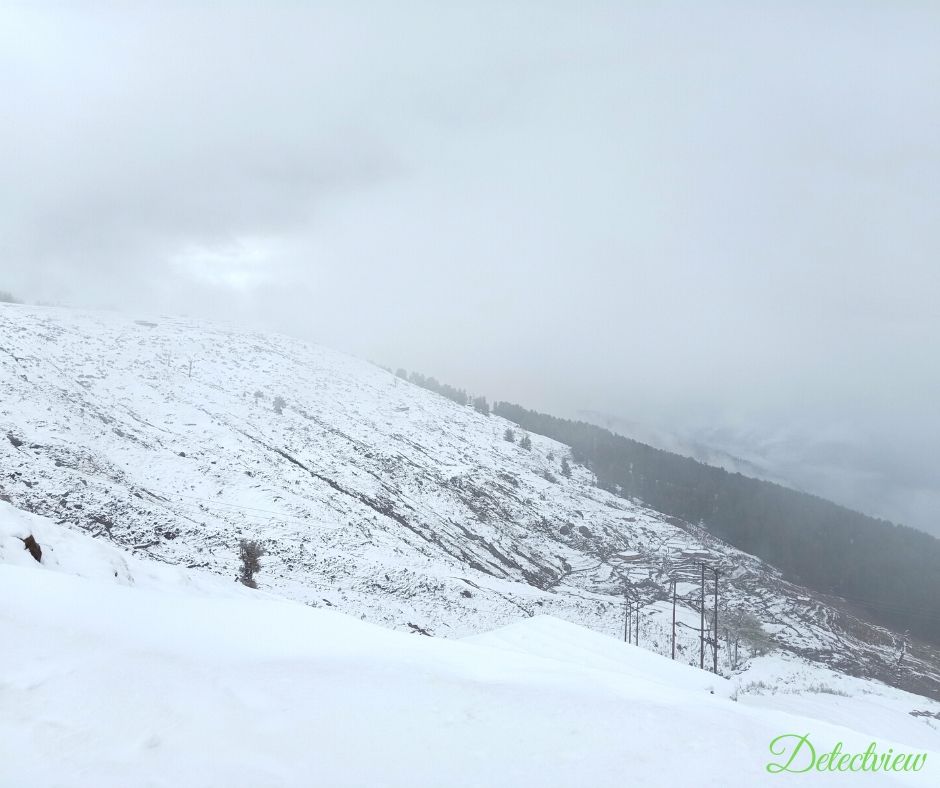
(692, 216)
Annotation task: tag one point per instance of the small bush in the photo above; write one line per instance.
(249, 553)
(279, 405)
(526, 442)
(565, 467)
(509, 435)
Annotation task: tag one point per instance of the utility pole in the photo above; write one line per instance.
(715, 653)
(701, 630)
(627, 604)
(673, 618)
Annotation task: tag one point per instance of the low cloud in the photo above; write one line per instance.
(691, 218)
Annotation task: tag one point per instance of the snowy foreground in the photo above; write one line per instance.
(120, 672)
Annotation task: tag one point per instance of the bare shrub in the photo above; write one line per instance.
(249, 553)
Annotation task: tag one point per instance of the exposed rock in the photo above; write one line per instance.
(32, 545)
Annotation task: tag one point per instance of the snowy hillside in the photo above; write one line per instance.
(173, 439)
(116, 673)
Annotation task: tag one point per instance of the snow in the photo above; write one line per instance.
(159, 676)
(131, 657)
(561, 641)
(371, 495)
(73, 553)
(109, 685)
(790, 684)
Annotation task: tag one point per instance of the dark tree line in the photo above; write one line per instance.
(892, 570)
(432, 384)
(457, 395)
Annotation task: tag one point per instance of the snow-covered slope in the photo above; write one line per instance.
(109, 683)
(73, 553)
(167, 437)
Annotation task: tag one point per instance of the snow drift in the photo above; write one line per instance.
(117, 672)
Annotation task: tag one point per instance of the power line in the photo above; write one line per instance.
(715, 649)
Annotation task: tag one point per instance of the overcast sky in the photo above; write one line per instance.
(697, 216)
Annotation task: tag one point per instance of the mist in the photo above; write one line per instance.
(716, 224)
